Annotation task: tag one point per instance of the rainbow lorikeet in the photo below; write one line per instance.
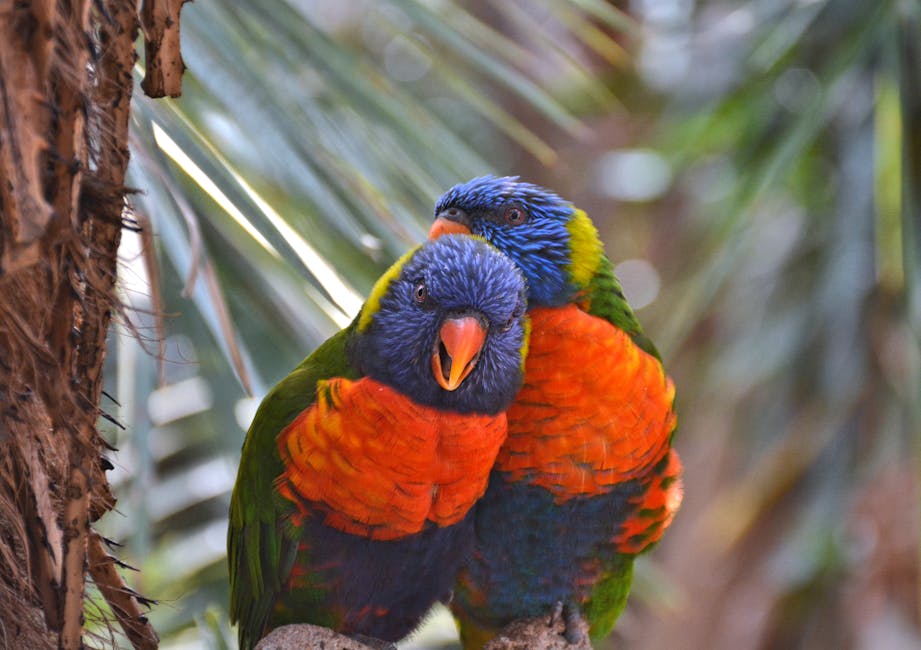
(587, 478)
(351, 505)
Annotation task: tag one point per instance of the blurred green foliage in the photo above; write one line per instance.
(755, 166)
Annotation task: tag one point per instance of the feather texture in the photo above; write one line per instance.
(352, 504)
(587, 478)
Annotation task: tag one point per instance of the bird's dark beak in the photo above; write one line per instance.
(457, 350)
(450, 221)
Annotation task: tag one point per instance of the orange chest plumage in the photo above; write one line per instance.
(595, 410)
(379, 465)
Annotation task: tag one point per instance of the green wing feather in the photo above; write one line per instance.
(260, 546)
(609, 597)
(607, 301)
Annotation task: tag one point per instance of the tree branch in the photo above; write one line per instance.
(301, 635)
(542, 633)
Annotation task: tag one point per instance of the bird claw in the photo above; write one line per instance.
(556, 615)
(572, 617)
(568, 614)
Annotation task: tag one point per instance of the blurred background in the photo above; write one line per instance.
(754, 170)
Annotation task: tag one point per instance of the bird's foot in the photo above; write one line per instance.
(569, 616)
(572, 617)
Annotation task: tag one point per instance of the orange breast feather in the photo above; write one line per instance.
(595, 410)
(380, 464)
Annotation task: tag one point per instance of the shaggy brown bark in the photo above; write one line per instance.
(160, 20)
(65, 93)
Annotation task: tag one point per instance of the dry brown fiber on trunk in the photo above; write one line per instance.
(65, 90)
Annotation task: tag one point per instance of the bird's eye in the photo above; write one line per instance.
(420, 293)
(509, 323)
(515, 216)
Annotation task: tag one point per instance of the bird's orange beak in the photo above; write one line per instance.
(452, 221)
(457, 351)
(444, 226)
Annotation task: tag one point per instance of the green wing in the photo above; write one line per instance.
(609, 596)
(607, 301)
(260, 546)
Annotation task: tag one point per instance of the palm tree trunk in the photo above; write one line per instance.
(65, 92)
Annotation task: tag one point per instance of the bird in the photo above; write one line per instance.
(587, 478)
(351, 506)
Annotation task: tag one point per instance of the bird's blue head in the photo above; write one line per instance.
(554, 244)
(446, 326)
